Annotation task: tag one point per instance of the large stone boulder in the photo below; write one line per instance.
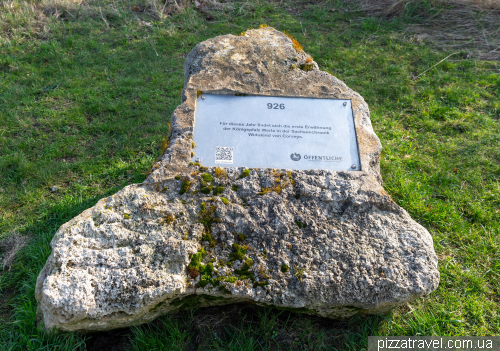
(319, 242)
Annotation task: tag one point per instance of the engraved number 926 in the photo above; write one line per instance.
(275, 106)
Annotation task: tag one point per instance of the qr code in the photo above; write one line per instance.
(223, 154)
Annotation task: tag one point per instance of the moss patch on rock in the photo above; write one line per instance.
(205, 187)
(220, 173)
(284, 268)
(245, 173)
(300, 224)
(207, 236)
(186, 184)
(244, 271)
(219, 190)
(195, 266)
(239, 252)
(207, 216)
(207, 177)
(306, 67)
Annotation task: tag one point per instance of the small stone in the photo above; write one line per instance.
(54, 188)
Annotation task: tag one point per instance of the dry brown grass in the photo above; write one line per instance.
(21, 19)
(396, 7)
(30, 19)
(469, 25)
(10, 246)
(25, 20)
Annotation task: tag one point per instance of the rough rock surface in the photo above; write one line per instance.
(319, 242)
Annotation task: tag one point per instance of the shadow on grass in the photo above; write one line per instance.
(241, 326)
(20, 330)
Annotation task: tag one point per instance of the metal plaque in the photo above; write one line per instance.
(275, 132)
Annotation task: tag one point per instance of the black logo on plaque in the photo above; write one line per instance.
(295, 157)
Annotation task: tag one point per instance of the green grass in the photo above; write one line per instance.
(87, 110)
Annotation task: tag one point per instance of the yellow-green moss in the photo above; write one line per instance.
(245, 173)
(207, 216)
(220, 173)
(300, 224)
(186, 184)
(207, 177)
(195, 266)
(168, 219)
(230, 279)
(239, 252)
(284, 268)
(244, 271)
(205, 188)
(219, 190)
(207, 236)
(306, 66)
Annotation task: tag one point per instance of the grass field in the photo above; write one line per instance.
(86, 93)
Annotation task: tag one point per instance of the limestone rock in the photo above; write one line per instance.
(319, 242)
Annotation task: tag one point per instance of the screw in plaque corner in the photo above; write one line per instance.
(353, 166)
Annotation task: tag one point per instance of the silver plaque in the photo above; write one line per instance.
(275, 132)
